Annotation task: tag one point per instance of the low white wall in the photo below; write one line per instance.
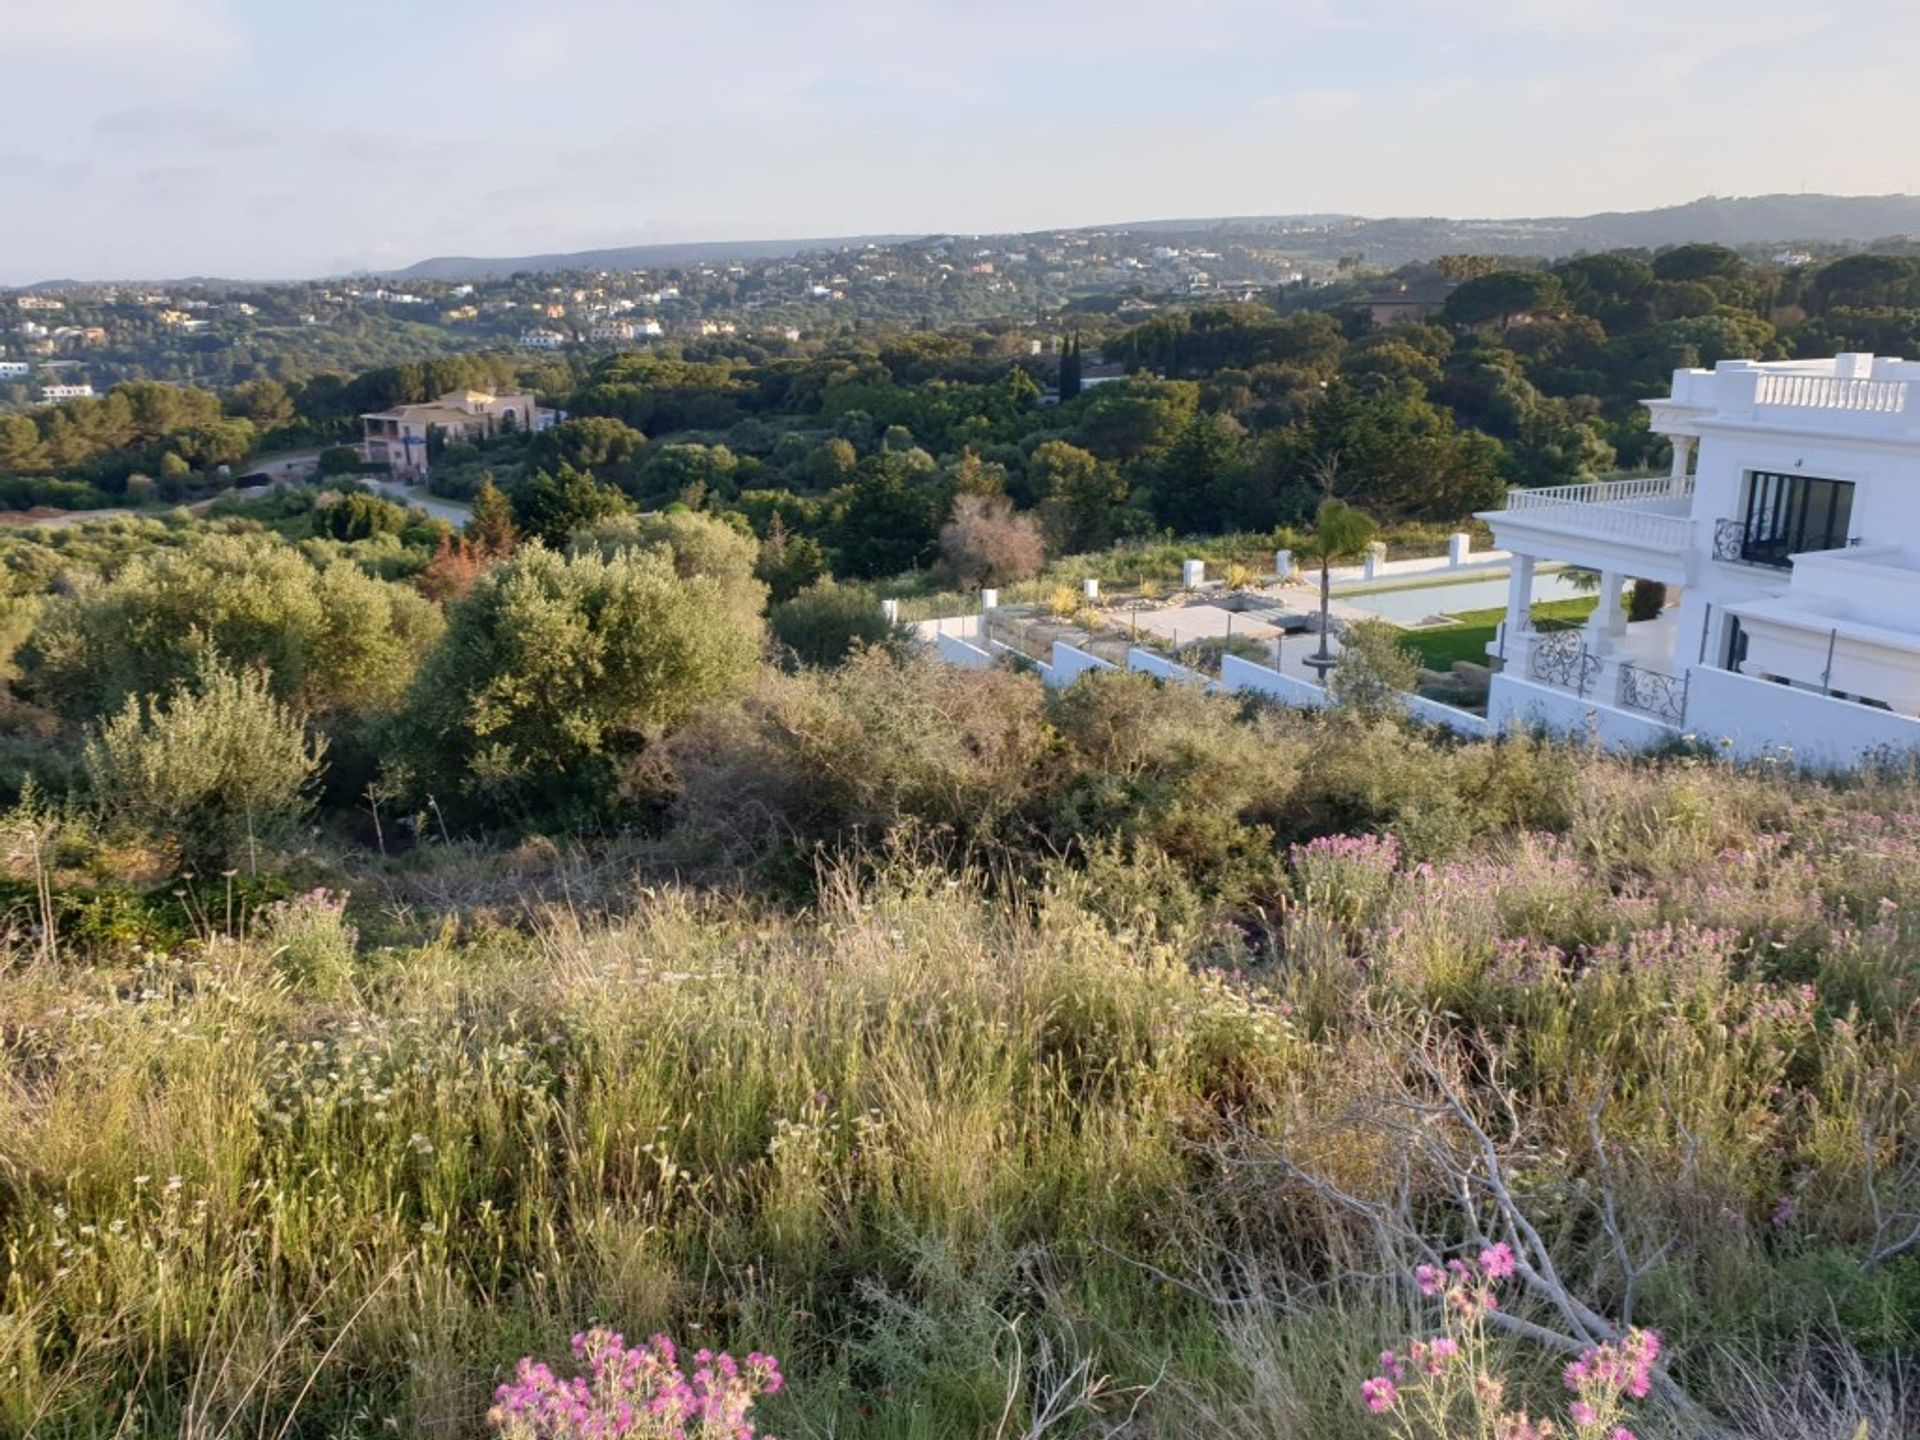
(1013, 653)
(1237, 674)
(1149, 663)
(1756, 717)
(1461, 722)
(956, 651)
(1070, 663)
(1516, 704)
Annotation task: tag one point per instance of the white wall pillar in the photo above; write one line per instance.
(890, 610)
(1683, 448)
(1193, 573)
(1376, 557)
(1607, 622)
(1283, 563)
(1090, 590)
(988, 600)
(1520, 595)
(1459, 546)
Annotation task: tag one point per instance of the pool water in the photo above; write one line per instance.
(1412, 605)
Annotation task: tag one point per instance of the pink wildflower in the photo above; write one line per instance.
(1497, 1262)
(1379, 1393)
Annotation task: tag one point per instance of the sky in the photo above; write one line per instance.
(284, 138)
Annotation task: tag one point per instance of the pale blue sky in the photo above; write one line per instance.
(285, 137)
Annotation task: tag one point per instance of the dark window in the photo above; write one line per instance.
(1736, 645)
(1789, 515)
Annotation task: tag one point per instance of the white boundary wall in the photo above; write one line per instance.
(956, 651)
(1069, 664)
(1148, 663)
(1237, 674)
(1758, 718)
(1516, 704)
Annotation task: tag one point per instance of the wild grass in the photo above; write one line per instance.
(989, 1149)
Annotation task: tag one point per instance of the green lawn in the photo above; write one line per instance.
(1473, 631)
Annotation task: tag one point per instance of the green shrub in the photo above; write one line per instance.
(214, 769)
(1375, 671)
(341, 460)
(358, 516)
(557, 670)
(309, 941)
(330, 640)
(824, 623)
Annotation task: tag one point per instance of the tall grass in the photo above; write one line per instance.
(977, 1156)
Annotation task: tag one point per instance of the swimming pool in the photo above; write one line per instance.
(1414, 604)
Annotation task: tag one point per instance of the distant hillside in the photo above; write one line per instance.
(629, 257)
(1744, 220)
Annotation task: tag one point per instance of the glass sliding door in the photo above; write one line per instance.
(1789, 515)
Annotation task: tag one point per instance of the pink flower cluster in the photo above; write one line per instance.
(1442, 1385)
(1608, 1372)
(638, 1392)
(1468, 1284)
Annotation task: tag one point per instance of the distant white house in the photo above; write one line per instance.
(15, 369)
(1790, 525)
(542, 340)
(52, 394)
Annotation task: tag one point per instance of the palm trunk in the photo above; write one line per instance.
(1326, 614)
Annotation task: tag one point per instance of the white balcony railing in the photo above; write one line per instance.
(1832, 392)
(1643, 512)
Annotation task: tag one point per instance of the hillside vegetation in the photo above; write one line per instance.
(1099, 1063)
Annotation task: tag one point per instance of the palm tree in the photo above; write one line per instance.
(1340, 533)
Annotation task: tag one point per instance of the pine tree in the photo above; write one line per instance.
(492, 530)
(1070, 369)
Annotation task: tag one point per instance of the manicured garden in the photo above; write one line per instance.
(1474, 630)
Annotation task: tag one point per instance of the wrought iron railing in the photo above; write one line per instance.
(1654, 692)
(1736, 541)
(1561, 660)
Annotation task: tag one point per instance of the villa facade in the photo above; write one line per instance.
(1789, 527)
(398, 438)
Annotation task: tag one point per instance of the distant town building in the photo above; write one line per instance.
(1406, 303)
(52, 394)
(39, 302)
(621, 332)
(542, 340)
(15, 369)
(398, 437)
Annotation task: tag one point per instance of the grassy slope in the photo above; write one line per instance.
(918, 1138)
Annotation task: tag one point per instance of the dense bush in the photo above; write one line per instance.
(557, 671)
(217, 768)
(332, 640)
(824, 623)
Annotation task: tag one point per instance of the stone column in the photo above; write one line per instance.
(1519, 605)
(1683, 448)
(1607, 623)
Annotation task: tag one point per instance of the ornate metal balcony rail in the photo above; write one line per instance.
(1561, 660)
(1654, 692)
(1734, 541)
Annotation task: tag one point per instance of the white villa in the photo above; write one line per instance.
(1790, 525)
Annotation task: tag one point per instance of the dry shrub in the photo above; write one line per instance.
(828, 757)
(988, 543)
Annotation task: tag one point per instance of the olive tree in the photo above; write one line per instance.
(332, 640)
(556, 671)
(215, 767)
